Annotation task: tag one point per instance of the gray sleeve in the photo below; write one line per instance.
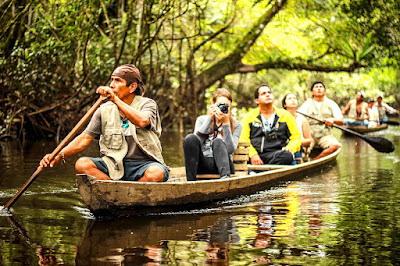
(202, 125)
(94, 127)
(389, 109)
(150, 109)
(231, 139)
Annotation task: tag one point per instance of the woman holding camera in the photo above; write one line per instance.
(216, 136)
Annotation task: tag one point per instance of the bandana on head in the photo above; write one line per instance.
(131, 74)
(127, 72)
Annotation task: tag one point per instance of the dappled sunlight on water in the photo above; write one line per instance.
(344, 214)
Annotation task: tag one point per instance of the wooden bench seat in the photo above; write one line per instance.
(240, 159)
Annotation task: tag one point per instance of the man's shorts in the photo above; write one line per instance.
(325, 142)
(133, 170)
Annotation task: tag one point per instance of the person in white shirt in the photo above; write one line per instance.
(327, 110)
(384, 108)
(373, 113)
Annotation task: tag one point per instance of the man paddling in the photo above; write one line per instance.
(129, 128)
(327, 110)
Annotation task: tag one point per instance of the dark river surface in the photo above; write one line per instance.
(345, 214)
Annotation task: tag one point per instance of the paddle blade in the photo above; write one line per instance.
(392, 123)
(380, 144)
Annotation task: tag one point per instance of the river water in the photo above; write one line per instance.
(345, 214)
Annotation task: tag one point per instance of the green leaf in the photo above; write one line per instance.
(367, 48)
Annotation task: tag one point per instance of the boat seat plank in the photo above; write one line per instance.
(242, 151)
(264, 167)
(208, 176)
(240, 157)
(241, 167)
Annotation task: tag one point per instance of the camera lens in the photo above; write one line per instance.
(223, 107)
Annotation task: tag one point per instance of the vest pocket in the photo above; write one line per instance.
(112, 138)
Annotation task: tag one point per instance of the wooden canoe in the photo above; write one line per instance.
(363, 129)
(127, 198)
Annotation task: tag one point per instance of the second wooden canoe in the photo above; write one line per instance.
(363, 129)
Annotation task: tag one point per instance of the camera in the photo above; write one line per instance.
(223, 107)
(271, 135)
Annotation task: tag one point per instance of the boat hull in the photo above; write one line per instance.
(122, 197)
(363, 129)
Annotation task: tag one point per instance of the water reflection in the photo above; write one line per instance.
(141, 240)
(45, 256)
(343, 215)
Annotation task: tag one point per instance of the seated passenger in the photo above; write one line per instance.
(357, 111)
(384, 108)
(290, 103)
(216, 136)
(272, 132)
(373, 113)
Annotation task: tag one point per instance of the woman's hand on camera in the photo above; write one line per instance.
(212, 111)
(222, 117)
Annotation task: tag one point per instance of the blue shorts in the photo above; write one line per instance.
(133, 170)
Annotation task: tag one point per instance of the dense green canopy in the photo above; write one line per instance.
(53, 54)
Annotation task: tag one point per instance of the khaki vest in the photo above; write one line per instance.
(318, 130)
(353, 109)
(113, 145)
(381, 110)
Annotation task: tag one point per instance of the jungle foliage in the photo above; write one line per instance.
(53, 54)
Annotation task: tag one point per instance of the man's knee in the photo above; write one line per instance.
(83, 164)
(334, 147)
(153, 174)
(286, 157)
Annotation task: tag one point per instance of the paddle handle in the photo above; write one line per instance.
(339, 127)
(57, 150)
(77, 127)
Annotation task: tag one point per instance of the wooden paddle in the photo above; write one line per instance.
(392, 123)
(378, 143)
(60, 146)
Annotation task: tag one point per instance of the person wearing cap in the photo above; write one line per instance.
(373, 113)
(384, 108)
(357, 111)
(327, 110)
(128, 127)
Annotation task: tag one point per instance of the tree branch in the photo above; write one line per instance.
(298, 66)
(214, 35)
(230, 63)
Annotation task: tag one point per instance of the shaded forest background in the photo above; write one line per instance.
(53, 54)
